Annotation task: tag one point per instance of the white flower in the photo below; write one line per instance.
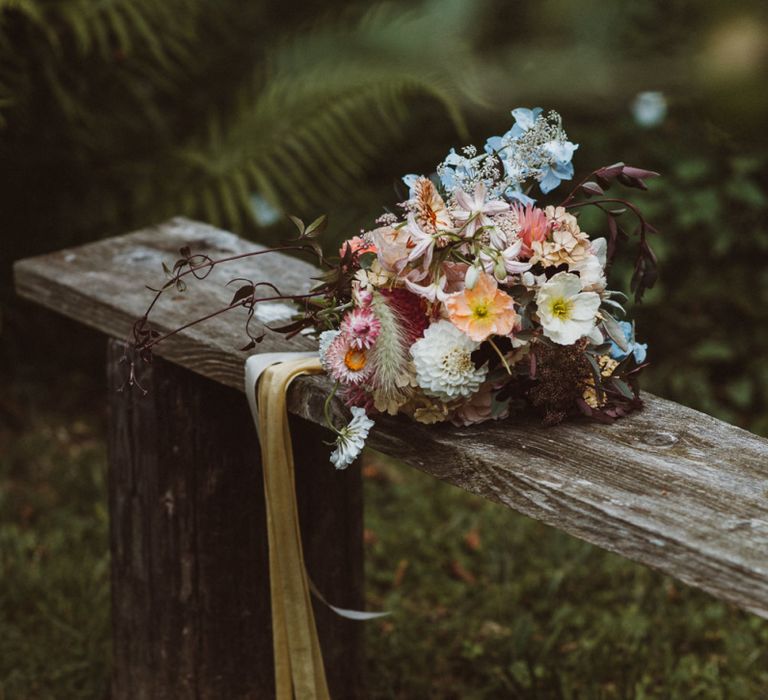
(592, 268)
(351, 440)
(434, 291)
(443, 361)
(475, 211)
(566, 312)
(422, 241)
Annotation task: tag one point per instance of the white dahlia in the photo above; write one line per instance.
(351, 439)
(443, 361)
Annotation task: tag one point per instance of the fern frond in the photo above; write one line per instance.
(333, 98)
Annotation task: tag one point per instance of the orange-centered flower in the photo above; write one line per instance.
(355, 359)
(482, 311)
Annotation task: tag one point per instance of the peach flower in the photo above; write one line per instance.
(482, 311)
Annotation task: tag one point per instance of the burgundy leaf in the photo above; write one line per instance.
(591, 188)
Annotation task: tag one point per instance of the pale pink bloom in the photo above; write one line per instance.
(482, 311)
(455, 273)
(534, 226)
(346, 363)
(474, 211)
(361, 327)
(510, 258)
(434, 291)
(421, 244)
(512, 262)
(479, 408)
(392, 247)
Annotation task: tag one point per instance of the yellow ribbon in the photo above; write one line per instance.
(299, 671)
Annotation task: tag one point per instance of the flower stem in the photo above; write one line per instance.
(327, 409)
(501, 357)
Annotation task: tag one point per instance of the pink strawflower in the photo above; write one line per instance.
(361, 328)
(534, 226)
(346, 363)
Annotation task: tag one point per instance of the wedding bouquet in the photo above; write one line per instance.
(473, 301)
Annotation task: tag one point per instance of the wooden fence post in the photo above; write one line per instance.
(190, 575)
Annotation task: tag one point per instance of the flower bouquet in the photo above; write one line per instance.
(472, 301)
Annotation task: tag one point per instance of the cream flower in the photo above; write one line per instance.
(566, 312)
(567, 243)
(443, 361)
(374, 277)
(592, 268)
(351, 439)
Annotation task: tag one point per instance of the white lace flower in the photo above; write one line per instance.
(351, 439)
(443, 361)
(566, 312)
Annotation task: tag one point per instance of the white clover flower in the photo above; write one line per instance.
(351, 439)
(443, 361)
(566, 312)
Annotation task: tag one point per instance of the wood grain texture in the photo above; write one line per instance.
(190, 569)
(670, 487)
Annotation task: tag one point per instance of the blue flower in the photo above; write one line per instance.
(560, 153)
(638, 350)
(410, 181)
(524, 120)
(535, 147)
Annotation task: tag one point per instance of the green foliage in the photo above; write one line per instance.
(485, 603)
(489, 604)
(54, 562)
(120, 113)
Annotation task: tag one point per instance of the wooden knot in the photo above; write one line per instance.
(658, 438)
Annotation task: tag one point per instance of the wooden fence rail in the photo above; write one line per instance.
(669, 487)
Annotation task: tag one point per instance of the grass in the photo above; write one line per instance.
(485, 603)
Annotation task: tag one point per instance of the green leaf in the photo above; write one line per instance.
(614, 331)
(623, 388)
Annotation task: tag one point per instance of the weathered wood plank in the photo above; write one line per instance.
(669, 487)
(190, 569)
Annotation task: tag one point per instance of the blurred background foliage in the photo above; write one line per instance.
(115, 114)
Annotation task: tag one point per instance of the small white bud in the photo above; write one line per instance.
(470, 279)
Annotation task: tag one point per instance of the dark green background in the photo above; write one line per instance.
(118, 114)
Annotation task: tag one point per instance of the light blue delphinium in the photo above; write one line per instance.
(638, 350)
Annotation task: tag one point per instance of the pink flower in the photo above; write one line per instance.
(346, 363)
(357, 245)
(361, 328)
(474, 211)
(480, 408)
(534, 226)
